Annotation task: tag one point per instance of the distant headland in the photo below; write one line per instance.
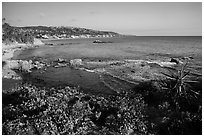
(28, 33)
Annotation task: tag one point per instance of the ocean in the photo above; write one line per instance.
(125, 47)
(147, 48)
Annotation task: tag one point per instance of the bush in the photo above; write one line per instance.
(179, 88)
(32, 110)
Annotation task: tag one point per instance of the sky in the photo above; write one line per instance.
(135, 18)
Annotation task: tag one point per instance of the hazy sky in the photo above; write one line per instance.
(150, 19)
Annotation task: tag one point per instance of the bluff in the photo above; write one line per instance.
(29, 33)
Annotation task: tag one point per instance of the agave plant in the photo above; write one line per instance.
(178, 86)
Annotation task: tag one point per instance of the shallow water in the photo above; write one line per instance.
(87, 81)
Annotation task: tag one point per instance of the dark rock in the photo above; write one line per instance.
(132, 71)
(38, 65)
(188, 58)
(99, 41)
(60, 60)
(174, 60)
(49, 44)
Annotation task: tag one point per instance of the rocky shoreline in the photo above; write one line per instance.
(132, 71)
(128, 70)
(8, 64)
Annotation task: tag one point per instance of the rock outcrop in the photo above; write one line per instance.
(174, 60)
(37, 42)
(60, 60)
(22, 65)
(76, 62)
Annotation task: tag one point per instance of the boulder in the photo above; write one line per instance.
(20, 65)
(38, 65)
(12, 64)
(37, 42)
(60, 65)
(60, 60)
(97, 41)
(76, 62)
(187, 58)
(175, 60)
(26, 66)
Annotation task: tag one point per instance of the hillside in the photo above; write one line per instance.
(12, 34)
(65, 32)
(27, 34)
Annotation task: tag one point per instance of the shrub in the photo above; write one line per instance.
(33, 110)
(178, 87)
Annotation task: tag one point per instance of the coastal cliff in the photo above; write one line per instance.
(28, 34)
